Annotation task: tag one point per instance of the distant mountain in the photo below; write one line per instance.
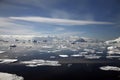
(80, 40)
(90, 40)
(36, 38)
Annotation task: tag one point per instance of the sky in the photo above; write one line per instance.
(99, 19)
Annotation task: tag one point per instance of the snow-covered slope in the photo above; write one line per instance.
(117, 40)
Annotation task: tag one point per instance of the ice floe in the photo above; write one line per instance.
(7, 76)
(110, 68)
(63, 55)
(77, 55)
(2, 52)
(8, 60)
(39, 62)
(92, 57)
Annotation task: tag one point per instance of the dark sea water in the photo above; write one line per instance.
(82, 70)
(74, 72)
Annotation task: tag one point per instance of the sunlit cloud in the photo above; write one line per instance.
(11, 27)
(58, 21)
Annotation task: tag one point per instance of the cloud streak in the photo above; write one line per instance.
(8, 26)
(59, 21)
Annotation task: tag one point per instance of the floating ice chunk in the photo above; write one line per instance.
(110, 68)
(111, 47)
(47, 46)
(63, 55)
(83, 53)
(2, 52)
(35, 63)
(110, 52)
(92, 57)
(89, 50)
(76, 55)
(31, 65)
(7, 76)
(54, 51)
(8, 60)
(73, 49)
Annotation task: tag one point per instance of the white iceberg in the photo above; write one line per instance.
(63, 55)
(111, 47)
(92, 57)
(110, 68)
(35, 63)
(8, 60)
(76, 55)
(2, 52)
(31, 65)
(7, 76)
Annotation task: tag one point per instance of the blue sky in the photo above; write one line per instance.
(87, 18)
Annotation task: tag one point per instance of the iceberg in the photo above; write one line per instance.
(2, 52)
(8, 60)
(8, 76)
(63, 55)
(77, 55)
(110, 68)
(37, 62)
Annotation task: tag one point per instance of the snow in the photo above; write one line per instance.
(111, 47)
(117, 40)
(110, 68)
(110, 52)
(8, 60)
(8, 76)
(113, 50)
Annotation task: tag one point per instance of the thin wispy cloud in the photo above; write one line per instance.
(8, 26)
(59, 21)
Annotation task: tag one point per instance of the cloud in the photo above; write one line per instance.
(8, 26)
(59, 21)
(60, 14)
(31, 3)
(8, 76)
